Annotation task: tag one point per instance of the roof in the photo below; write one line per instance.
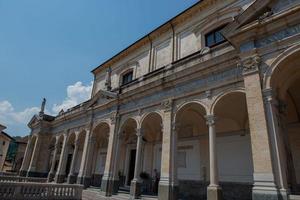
(147, 36)
(5, 134)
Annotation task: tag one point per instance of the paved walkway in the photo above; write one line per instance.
(95, 194)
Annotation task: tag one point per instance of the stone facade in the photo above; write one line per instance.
(212, 110)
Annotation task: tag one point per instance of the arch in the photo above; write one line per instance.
(146, 115)
(101, 125)
(71, 137)
(231, 119)
(151, 124)
(129, 120)
(277, 63)
(184, 105)
(98, 123)
(223, 94)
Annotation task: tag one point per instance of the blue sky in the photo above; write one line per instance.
(49, 47)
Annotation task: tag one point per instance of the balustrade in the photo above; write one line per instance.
(32, 191)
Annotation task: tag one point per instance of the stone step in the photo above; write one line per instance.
(294, 197)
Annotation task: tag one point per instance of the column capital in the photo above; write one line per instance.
(167, 105)
(210, 120)
(250, 64)
(139, 132)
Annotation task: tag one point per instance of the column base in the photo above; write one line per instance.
(71, 179)
(107, 186)
(51, 177)
(135, 189)
(60, 178)
(264, 187)
(265, 195)
(23, 173)
(85, 181)
(214, 193)
(284, 194)
(167, 192)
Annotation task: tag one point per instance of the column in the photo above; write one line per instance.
(168, 184)
(116, 161)
(52, 172)
(108, 183)
(32, 170)
(72, 176)
(277, 144)
(264, 186)
(214, 191)
(27, 158)
(60, 174)
(135, 190)
(83, 158)
(86, 177)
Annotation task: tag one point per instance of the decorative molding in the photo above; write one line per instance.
(167, 105)
(287, 32)
(208, 94)
(250, 64)
(113, 117)
(210, 120)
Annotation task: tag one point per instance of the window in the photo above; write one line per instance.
(3, 143)
(214, 38)
(127, 78)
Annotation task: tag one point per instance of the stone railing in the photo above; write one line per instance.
(37, 191)
(22, 179)
(8, 174)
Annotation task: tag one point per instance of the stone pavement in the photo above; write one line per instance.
(95, 194)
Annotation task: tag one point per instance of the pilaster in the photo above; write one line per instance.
(107, 183)
(32, 170)
(52, 172)
(264, 185)
(60, 174)
(72, 176)
(168, 185)
(27, 158)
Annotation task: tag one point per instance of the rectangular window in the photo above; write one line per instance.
(214, 38)
(127, 78)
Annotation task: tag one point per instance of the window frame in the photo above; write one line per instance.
(125, 74)
(214, 32)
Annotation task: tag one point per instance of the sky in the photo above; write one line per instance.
(49, 47)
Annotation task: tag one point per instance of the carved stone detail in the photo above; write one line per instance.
(250, 64)
(210, 120)
(167, 105)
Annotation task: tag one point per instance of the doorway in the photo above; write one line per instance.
(131, 166)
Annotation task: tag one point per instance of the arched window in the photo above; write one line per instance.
(127, 77)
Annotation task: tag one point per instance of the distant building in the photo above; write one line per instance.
(4, 144)
(15, 154)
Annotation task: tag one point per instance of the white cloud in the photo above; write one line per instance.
(76, 94)
(16, 121)
(8, 115)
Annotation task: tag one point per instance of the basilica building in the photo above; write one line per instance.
(206, 106)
